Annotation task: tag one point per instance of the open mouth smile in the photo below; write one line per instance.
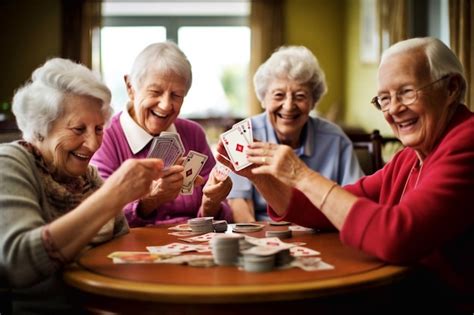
(159, 115)
(84, 157)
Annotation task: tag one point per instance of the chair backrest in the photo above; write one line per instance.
(368, 148)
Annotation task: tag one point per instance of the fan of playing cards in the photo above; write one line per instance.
(169, 147)
(236, 141)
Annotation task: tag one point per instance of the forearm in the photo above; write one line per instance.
(276, 193)
(331, 199)
(242, 210)
(73, 231)
(209, 207)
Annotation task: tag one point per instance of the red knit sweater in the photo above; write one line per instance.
(431, 223)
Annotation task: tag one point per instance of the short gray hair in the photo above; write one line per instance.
(441, 59)
(295, 63)
(165, 57)
(38, 103)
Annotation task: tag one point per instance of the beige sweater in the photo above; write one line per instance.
(24, 210)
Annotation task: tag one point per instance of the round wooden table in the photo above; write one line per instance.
(99, 284)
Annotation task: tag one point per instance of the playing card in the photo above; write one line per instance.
(193, 165)
(166, 149)
(311, 264)
(172, 248)
(188, 259)
(300, 251)
(130, 257)
(235, 144)
(302, 229)
(274, 242)
(221, 172)
(245, 126)
(262, 250)
(201, 238)
(180, 227)
(183, 233)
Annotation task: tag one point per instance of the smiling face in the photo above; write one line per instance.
(420, 124)
(74, 137)
(157, 102)
(288, 104)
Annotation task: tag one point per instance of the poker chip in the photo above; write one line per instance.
(201, 225)
(278, 223)
(281, 234)
(247, 227)
(257, 263)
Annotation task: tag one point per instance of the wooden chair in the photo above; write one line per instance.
(368, 148)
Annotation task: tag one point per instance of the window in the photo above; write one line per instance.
(214, 36)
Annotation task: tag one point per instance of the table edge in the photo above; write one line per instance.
(90, 282)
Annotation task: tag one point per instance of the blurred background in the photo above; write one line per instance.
(225, 42)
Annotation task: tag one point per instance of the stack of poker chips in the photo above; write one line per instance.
(201, 225)
(258, 263)
(226, 249)
(281, 234)
(283, 258)
(220, 226)
(259, 258)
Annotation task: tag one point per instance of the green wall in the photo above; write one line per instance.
(30, 33)
(330, 28)
(319, 25)
(360, 78)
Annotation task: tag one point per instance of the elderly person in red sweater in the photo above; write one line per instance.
(418, 209)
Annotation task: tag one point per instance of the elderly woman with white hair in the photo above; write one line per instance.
(53, 204)
(418, 209)
(157, 84)
(289, 85)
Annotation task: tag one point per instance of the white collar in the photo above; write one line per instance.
(136, 136)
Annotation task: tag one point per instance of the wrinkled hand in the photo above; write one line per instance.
(276, 160)
(167, 188)
(214, 192)
(132, 179)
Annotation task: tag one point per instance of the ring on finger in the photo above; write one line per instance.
(264, 159)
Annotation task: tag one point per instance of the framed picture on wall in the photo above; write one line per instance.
(369, 32)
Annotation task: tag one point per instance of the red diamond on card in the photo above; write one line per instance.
(239, 148)
(189, 172)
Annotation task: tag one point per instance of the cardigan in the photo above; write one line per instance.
(24, 210)
(115, 150)
(425, 218)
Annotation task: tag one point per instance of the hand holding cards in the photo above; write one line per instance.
(193, 165)
(169, 147)
(236, 141)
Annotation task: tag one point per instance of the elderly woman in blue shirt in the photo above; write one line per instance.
(289, 85)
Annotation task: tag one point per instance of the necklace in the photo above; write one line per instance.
(409, 175)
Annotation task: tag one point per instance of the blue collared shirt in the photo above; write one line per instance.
(325, 148)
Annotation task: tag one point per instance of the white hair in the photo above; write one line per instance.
(441, 59)
(165, 57)
(294, 63)
(39, 102)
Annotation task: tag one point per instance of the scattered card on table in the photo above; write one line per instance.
(300, 251)
(172, 248)
(131, 257)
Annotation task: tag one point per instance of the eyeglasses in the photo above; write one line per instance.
(406, 96)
